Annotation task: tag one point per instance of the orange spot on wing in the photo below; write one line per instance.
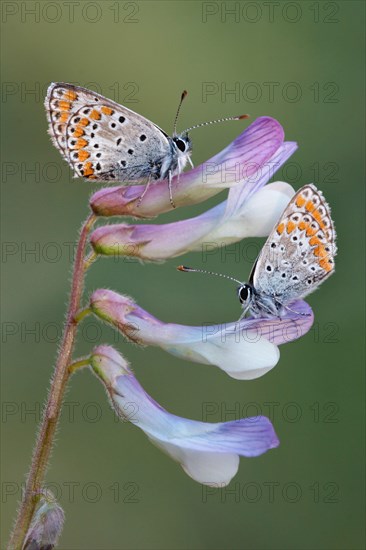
(95, 115)
(78, 132)
(303, 226)
(83, 155)
(310, 206)
(290, 227)
(310, 231)
(317, 215)
(300, 201)
(81, 143)
(64, 105)
(314, 241)
(320, 252)
(88, 169)
(325, 265)
(64, 117)
(280, 228)
(107, 111)
(70, 95)
(84, 122)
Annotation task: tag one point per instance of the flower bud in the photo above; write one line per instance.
(46, 525)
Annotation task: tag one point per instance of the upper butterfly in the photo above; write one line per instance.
(103, 141)
(296, 258)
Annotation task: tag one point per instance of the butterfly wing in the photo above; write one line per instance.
(299, 253)
(102, 140)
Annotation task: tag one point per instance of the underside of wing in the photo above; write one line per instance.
(299, 253)
(102, 140)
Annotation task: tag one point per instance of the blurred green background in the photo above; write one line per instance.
(118, 491)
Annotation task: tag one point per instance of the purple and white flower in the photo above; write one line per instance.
(208, 453)
(244, 350)
(251, 210)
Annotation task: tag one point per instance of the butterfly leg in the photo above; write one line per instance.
(170, 189)
(144, 192)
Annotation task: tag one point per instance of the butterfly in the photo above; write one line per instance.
(296, 258)
(104, 141)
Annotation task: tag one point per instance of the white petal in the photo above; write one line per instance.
(263, 210)
(205, 467)
(243, 359)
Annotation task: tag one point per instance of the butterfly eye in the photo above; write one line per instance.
(180, 144)
(244, 293)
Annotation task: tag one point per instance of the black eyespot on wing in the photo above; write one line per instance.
(142, 137)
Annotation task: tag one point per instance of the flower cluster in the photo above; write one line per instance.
(245, 349)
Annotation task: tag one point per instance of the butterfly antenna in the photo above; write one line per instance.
(240, 117)
(183, 96)
(192, 270)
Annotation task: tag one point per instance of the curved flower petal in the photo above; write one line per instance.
(237, 162)
(244, 350)
(208, 453)
(160, 242)
(251, 210)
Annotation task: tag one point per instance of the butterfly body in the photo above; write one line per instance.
(104, 141)
(296, 258)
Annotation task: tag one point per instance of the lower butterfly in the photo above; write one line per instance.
(104, 141)
(296, 258)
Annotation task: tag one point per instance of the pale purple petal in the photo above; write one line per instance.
(239, 194)
(209, 453)
(155, 242)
